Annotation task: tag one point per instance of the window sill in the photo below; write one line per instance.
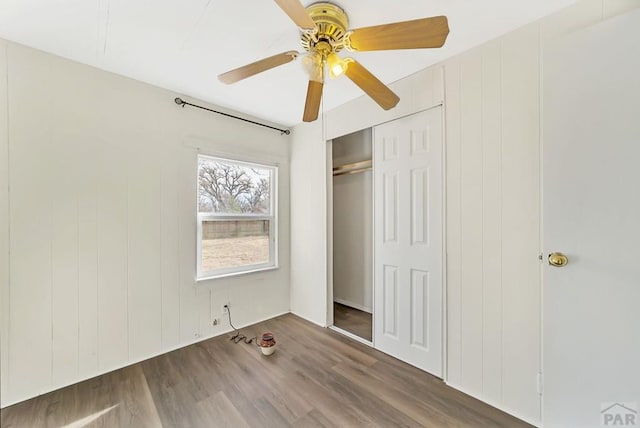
(232, 274)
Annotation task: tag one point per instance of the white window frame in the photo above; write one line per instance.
(273, 224)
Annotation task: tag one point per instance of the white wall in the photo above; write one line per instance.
(493, 102)
(4, 222)
(102, 176)
(492, 106)
(493, 222)
(353, 223)
(309, 299)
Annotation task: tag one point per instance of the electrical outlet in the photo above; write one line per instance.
(225, 308)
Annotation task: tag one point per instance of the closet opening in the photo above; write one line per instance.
(352, 254)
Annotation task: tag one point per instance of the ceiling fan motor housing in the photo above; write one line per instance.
(331, 24)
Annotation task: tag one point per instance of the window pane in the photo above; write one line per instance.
(234, 243)
(233, 188)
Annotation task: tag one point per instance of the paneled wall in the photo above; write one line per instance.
(493, 122)
(102, 173)
(492, 105)
(493, 222)
(309, 298)
(4, 220)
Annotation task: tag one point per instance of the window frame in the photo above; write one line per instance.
(272, 218)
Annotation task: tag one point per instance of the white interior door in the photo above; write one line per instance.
(408, 239)
(591, 306)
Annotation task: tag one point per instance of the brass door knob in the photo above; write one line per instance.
(558, 259)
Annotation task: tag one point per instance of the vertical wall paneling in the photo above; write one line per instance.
(113, 309)
(521, 219)
(87, 268)
(170, 250)
(73, 235)
(189, 319)
(75, 321)
(493, 213)
(453, 192)
(144, 219)
(64, 256)
(4, 223)
(471, 219)
(491, 223)
(30, 347)
(100, 271)
(308, 244)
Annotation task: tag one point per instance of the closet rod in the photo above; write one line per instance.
(353, 168)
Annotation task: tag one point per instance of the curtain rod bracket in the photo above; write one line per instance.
(182, 103)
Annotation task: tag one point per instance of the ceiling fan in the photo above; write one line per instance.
(323, 33)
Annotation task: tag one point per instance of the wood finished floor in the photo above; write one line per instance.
(352, 320)
(316, 378)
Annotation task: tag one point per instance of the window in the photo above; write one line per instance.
(236, 217)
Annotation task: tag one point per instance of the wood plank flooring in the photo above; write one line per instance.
(353, 320)
(316, 378)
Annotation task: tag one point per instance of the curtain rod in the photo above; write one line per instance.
(183, 103)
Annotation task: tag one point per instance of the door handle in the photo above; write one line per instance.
(558, 259)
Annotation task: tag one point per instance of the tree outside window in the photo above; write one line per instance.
(236, 221)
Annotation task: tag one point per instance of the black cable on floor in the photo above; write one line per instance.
(239, 337)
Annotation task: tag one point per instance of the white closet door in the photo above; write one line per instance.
(408, 239)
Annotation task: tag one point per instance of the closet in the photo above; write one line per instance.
(353, 234)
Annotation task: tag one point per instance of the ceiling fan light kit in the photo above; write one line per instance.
(324, 31)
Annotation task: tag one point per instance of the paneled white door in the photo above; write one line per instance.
(591, 357)
(408, 230)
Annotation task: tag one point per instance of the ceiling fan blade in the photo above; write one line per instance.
(312, 105)
(417, 34)
(369, 83)
(297, 13)
(265, 64)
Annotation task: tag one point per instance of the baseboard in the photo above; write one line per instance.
(130, 363)
(353, 305)
(314, 322)
(498, 406)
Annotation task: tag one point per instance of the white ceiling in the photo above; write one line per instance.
(182, 45)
